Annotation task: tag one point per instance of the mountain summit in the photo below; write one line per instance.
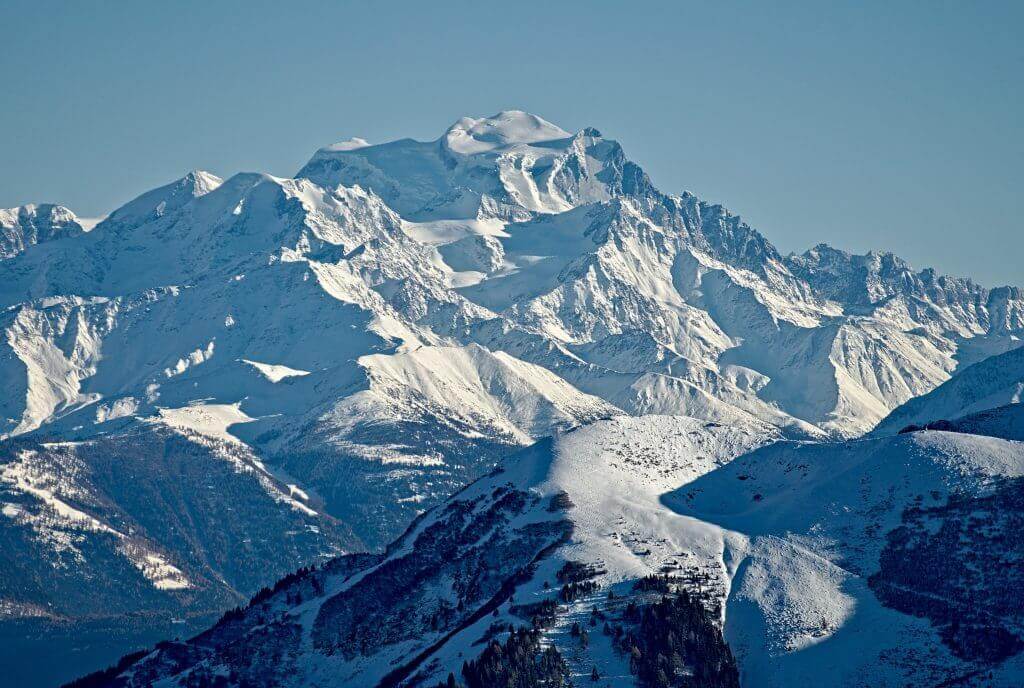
(28, 225)
(502, 132)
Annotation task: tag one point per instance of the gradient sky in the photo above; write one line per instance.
(891, 125)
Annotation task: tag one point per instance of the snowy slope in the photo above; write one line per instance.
(591, 496)
(75, 498)
(790, 544)
(139, 535)
(992, 383)
(491, 393)
(819, 522)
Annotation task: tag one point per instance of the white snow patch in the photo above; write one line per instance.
(440, 232)
(276, 373)
(212, 420)
(161, 573)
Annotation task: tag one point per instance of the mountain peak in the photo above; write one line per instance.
(200, 182)
(58, 213)
(509, 165)
(31, 224)
(163, 200)
(506, 129)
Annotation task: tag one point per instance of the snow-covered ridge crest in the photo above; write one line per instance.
(870, 279)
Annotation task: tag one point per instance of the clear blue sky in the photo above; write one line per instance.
(890, 125)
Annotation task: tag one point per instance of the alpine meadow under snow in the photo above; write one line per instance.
(494, 410)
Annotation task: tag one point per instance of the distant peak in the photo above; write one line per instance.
(822, 252)
(32, 223)
(166, 199)
(201, 182)
(508, 128)
(56, 214)
(825, 251)
(354, 143)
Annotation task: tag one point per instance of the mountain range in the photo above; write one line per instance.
(226, 380)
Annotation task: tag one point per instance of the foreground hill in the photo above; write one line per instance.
(840, 565)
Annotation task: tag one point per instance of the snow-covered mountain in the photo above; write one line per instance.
(994, 382)
(24, 227)
(377, 332)
(138, 535)
(572, 241)
(832, 565)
